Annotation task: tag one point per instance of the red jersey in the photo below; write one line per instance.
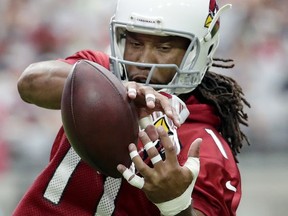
(69, 186)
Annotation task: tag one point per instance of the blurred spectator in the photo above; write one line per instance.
(259, 47)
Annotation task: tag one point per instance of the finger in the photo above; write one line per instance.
(145, 121)
(157, 158)
(153, 100)
(132, 93)
(150, 100)
(131, 89)
(164, 104)
(193, 162)
(170, 151)
(140, 165)
(175, 118)
(121, 168)
(148, 93)
(131, 177)
(152, 132)
(150, 149)
(195, 148)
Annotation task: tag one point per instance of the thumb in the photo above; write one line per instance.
(195, 148)
(193, 163)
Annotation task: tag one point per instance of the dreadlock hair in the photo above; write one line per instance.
(227, 96)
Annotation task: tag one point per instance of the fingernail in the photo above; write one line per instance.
(132, 92)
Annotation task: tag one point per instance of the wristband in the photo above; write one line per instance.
(175, 206)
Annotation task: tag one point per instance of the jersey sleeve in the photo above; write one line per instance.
(95, 56)
(217, 190)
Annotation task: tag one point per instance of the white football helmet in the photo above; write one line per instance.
(197, 20)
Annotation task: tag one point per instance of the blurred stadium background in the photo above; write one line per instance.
(254, 33)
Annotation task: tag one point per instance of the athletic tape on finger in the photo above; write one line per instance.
(132, 91)
(133, 154)
(156, 159)
(193, 164)
(149, 145)
(133, 179)
(150, 97)
(144, 122)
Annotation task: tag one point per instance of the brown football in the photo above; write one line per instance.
(99, 119)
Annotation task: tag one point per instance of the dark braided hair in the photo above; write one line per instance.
(227, 96)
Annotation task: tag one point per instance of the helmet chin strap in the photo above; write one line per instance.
(208, 36)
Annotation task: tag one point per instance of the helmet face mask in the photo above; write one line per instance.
(120, 64)
(160, 18)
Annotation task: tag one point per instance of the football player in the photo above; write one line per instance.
(163, 50)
